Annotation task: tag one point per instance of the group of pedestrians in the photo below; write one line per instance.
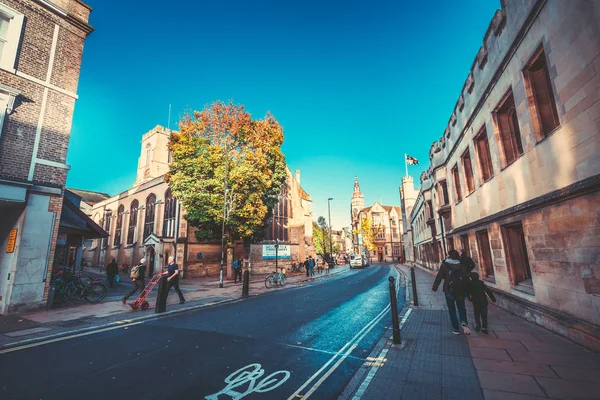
(310, 264)
(138, 280)
(460, 283)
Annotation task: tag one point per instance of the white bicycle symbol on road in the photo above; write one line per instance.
(249, 375)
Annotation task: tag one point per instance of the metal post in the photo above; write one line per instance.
(161, 297)
(394, 308)
(246, 283)
(276, 253)
(414, 286)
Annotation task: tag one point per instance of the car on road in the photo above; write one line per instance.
(358, 261)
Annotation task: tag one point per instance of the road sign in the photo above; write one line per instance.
(12, 239)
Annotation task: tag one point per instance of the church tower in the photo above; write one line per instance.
(358, 200)
(155, 156)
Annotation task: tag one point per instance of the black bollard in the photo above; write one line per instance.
(394, 304)
(161, 298)
(246, 283)
(414, 287)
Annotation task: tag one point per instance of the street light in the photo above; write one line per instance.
(329, 211)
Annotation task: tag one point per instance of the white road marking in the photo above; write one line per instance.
(60, 339)
(248, 375)
(346, 350)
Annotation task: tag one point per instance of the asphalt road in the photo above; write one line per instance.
(307, 340)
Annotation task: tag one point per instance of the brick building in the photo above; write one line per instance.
(386, 225)
(514, 178)
(146, 221)
(41, 46)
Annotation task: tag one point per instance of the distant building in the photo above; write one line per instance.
(386, 223)
(147, 221)
(514, 179)
(41, 46)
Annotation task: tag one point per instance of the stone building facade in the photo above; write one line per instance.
(146, 221)
(41, 48)
(514, 179)
(386, 223)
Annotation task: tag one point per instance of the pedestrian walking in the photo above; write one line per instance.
(478, 294)
(455, 278)
(311, 265)
(307, 267)
(237, 269)
(172, 274)
(137, 277)
(467, 261)
(326, 267)
(112, 269)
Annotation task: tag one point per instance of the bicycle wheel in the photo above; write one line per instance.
(94, 292)
(282, 280)
(61, 294)
(269, 281)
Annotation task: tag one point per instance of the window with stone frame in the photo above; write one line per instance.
(486, 266)
(464, 243)
(468, 167)
(456, 178)
(505, 117)
(515, 249)
(119, 227)
(107, 221)
(133, 217)
(450, 244)
(540, 95)
(482, 148)
(278, 226)
(150, 215)
(443, 193)
(170, 215)
(11, 25)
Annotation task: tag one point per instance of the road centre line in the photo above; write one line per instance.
(352, 344)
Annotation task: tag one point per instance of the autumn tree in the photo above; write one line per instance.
(225, 162)
(321, 238)
(368, 236)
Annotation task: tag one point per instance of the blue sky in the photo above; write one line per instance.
(354, 84)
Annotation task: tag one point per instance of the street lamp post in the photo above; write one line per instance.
(276, 254)
(329, 212)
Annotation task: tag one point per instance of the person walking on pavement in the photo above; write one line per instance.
(137, 277)
(326, 267)
(467, 261)
(456, 280)
(307, 267)
(112, 269)
(478, 294)
(237, 269)
(311, 265)
(172, 274)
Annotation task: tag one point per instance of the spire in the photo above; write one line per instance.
(356, 185)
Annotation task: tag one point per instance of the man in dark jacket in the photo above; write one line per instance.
(467, 261)
(478, 294)
(455, 278)
(172, 274)
(112, 270)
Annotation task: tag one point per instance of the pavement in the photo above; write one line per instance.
(517, 360)
(78, 316)
(304, 341)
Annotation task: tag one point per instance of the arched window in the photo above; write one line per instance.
(150, 211)
(133, 217)
(281, 214)
(119, 226)
(107, 219)
(170, 215)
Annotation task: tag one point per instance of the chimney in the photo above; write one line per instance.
(298, 176)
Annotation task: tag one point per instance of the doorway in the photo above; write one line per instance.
(151, 255)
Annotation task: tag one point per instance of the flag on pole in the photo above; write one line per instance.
(410, 160)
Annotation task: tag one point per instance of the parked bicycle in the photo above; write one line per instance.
(275, 279)
(297, 267)
(66, 286)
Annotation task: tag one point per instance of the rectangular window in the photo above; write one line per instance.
(466, 161)
(539, 90)
(450, 244)
(508, 128)
(482, 147)
(464, 243)
(444, 187)
(11, 24)
(456, 178)
(516, 254)
(485, 254)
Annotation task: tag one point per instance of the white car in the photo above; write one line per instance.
(358, 261)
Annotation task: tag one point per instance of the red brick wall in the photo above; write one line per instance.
(54, 206)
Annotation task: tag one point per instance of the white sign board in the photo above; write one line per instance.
(268, 251)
